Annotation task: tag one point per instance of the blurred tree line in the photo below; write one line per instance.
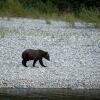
(61, 5)
(68, 10)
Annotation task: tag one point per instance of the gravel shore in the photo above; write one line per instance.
(74, 52)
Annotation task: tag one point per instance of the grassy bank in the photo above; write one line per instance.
(13, 8)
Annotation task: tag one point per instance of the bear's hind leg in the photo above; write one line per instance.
(24, 63)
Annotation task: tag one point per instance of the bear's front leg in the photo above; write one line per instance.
(24, 63)
(34, 62)
(41, 63)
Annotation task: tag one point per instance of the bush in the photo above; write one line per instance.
(90, 15)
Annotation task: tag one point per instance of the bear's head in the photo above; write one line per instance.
(47, 56)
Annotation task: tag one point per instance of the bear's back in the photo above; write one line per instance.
(30, 54)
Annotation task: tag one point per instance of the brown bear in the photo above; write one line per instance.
(35, 55)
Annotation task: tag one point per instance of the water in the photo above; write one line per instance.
(48, 94)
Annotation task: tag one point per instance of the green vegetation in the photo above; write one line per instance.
(90, 15)
(3, 32)
(68, 10)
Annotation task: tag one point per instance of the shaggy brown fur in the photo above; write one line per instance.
(35, 55)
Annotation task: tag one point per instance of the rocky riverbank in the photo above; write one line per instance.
(74, 52)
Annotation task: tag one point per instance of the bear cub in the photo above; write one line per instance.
(30, 54)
